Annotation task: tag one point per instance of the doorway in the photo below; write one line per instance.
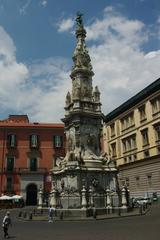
(31, 194)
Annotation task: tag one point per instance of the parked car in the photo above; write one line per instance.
(141, 201)
(154, 196)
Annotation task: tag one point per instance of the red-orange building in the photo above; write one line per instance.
(27, 152)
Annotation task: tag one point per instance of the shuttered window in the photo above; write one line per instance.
(34, 141)
(10, 163)
(57, 141)
(33, 164)
(11, 140)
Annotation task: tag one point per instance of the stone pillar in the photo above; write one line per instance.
(124, 200)
(40, 198)
(84, 201)
(108, 199)
(53, 197)
(127, 196)
(91, 202)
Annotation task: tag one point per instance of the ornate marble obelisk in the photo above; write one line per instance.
(84, 164)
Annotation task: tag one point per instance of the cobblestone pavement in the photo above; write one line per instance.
(127, 228)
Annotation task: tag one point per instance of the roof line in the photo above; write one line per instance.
(153, 87)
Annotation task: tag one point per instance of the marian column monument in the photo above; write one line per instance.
(84, 167)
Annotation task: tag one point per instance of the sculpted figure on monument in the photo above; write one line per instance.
(82, 59)
(79, 20)
(68, 99)
(71, 156)
(81, 56)
(70, 143)
(77, 93)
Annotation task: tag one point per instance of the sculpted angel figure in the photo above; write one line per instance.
(79, 19)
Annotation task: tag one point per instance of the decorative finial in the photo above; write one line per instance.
(79, 19)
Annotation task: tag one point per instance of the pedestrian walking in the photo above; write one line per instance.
(6, 223)
(51, 213)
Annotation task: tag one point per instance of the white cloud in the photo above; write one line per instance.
(7, 47)
(51, 78)
(44, 3)
(121, 67)
(114, 26)
(13, 74)
(152, 54)
(65, 25)
(158, 27)
(23, 9)
(38, 89)
(108, 9)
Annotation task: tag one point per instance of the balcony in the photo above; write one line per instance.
(23, 171)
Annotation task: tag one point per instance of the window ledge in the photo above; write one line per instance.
(145, 145)
(128, 128)
(113, 135)
(156, 113)
(131, 150)
(143, 120)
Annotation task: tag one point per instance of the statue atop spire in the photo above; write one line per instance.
(81, 56)
(79, 19)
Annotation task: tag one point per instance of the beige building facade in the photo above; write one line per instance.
(131, 136)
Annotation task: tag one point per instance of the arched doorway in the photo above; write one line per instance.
(31, 194)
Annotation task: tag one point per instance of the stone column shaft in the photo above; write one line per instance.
(53, 197)
(124, 201)
(91, 201)
(84, 201)
(40, 198)
(108, 198)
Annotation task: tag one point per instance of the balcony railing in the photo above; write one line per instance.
(23, 170)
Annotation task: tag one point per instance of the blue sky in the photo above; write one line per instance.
(37, 41)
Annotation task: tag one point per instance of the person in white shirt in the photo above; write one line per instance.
(6, 223)
(51, 213)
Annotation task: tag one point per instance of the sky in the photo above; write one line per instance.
(37, 40)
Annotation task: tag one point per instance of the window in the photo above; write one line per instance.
(134, 157)
(124, 146)
(145, 139)
(33, 164)
(125, 160)
(113, 147)
(155, 105)
(149, 178)
(34, 143)
(137, 182)
(10, 163)
(127, 182)
(9, 184)
(11, 140)
(129, 143)
(157, 132)
(146, 153)
(58, 141)
(129, 158)
(142, 113)
(128, 121)
(158, 150)
(122, 182)
(112, 126)
(133, 142)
